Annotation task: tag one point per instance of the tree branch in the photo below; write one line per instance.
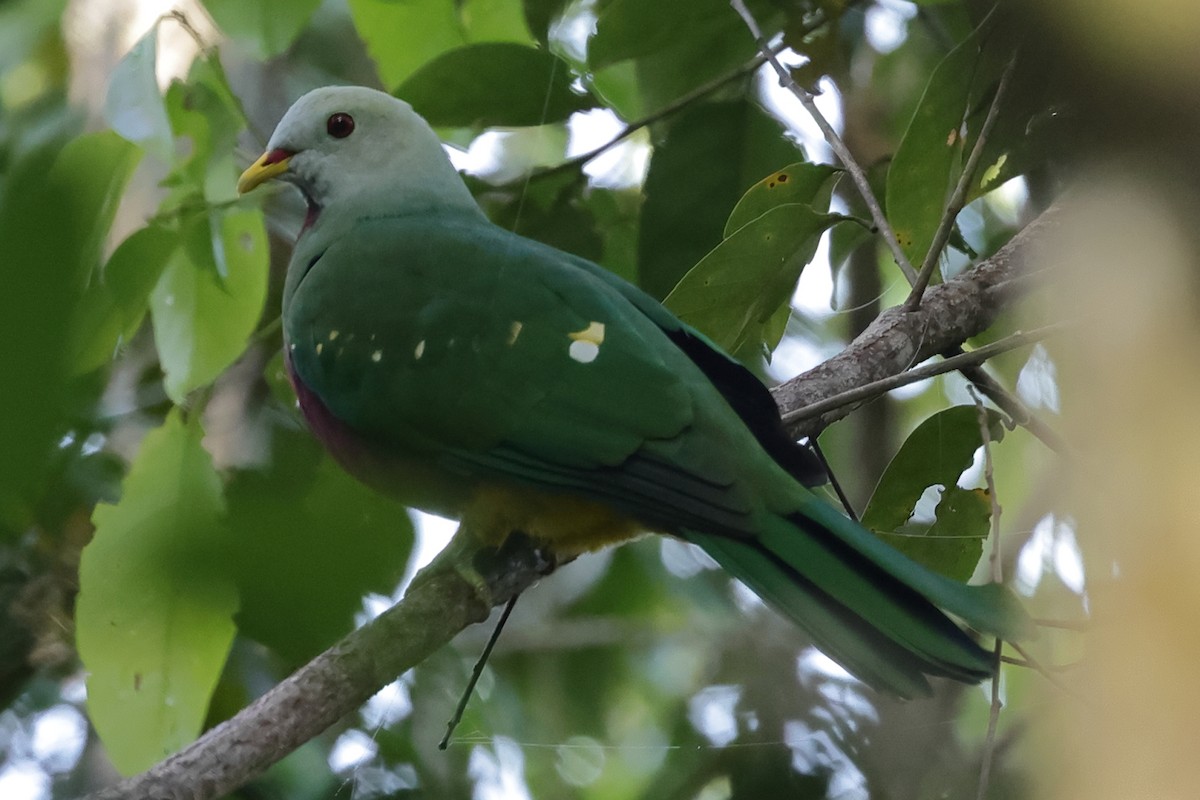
(967, 359)
(950, 313)
(438, 605)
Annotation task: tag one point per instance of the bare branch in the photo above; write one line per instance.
(951, 313)
(989, 742)
(952, 364)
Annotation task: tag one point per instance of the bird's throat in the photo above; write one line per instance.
(310, 216)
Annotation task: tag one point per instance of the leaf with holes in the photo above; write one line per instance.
(936, 454)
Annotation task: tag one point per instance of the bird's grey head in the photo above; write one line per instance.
(359, 150)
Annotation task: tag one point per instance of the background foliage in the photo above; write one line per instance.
(144, 408)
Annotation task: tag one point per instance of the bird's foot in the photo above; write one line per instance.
(495, 573)
(459, 557)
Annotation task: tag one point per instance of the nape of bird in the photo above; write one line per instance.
(480, 375)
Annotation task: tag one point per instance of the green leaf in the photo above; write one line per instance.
(154, 615)
(201, 323)
(677, 44)
(923, 172)
(115, 304)
(93, 170)
(630, 28)
(311, 542)
(493, 85)
(1030, 131)
(936, 454)
(402, 36)
(796, 183)
(618, 87)
(264, 27)
(205, 113)
(712, 154)
(55, 213)
(496, 21)
(552, 208)
(134, 106)
(734, 292)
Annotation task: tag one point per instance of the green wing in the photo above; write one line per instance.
(481, 348)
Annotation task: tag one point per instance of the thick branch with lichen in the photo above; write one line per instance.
(441, 602)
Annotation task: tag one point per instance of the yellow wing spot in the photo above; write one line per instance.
(377, 356)
(593, 333)
(320, 347)
(514, 332)
(419, 350)
(333, 336)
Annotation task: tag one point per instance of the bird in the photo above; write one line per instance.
(473, 373)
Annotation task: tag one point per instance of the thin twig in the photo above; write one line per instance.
(1010, 404)
(181, 19)
(477, 672)
(1062, 624)
(989, 742)
(1050, 668)
(1045, 672)
(666, 111)
(958, 198)
(268, 331)
(985, 434)
(833, 481)
(875, 388)
(831, 135)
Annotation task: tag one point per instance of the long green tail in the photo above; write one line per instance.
(869, 607)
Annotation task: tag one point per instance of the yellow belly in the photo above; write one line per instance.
(570, 525)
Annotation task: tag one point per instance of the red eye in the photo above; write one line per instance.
(340, 125)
